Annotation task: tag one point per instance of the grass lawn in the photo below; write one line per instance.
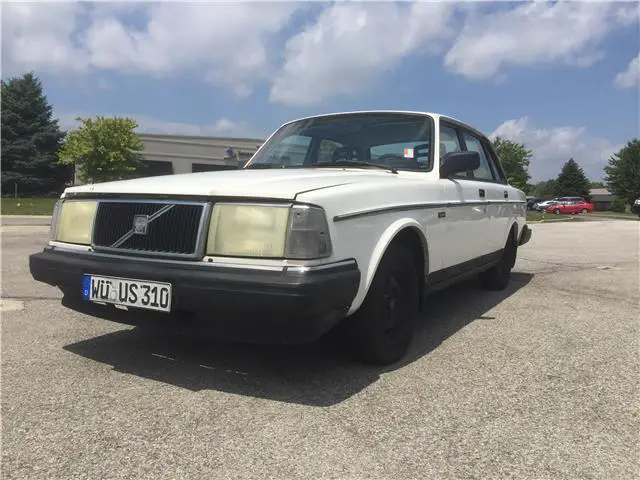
(547, 217)
(616, 214)
(27, 206)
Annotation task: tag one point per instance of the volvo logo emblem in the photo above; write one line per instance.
(140, 224)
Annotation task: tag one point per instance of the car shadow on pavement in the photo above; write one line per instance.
(320, 374)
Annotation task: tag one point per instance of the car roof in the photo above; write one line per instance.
(435, 116)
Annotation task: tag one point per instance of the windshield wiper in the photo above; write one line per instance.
(355, 163)
(266, 165)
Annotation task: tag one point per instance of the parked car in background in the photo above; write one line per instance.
(570, 207)
(532, 201)
(542, 206)
(570, 199)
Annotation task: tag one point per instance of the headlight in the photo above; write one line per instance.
(72, 221)
(273, 231)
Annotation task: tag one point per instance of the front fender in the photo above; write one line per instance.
(378, 251)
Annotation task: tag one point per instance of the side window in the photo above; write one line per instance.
(483, 172)
(292, 150)
(326, 150)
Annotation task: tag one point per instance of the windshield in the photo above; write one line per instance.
(364, 140)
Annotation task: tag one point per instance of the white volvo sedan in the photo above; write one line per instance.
(344, 220)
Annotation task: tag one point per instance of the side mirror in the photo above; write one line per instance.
(457, 162)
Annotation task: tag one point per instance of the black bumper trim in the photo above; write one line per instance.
(255, 305)
(525, 235)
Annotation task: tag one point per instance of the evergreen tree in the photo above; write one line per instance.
(623, 172)
(31, 139)
(572, 182)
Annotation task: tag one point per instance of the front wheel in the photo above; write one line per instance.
(584, 210)
(557, 211)
(381, 331)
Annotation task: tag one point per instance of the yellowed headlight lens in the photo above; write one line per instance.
(248, 230)
(75, 223)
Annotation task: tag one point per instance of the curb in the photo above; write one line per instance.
(25, 220)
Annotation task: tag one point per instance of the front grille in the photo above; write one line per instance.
(171, 228)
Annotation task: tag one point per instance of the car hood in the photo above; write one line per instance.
(276, 183)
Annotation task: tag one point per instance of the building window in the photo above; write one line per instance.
(210, 167)
(152, 168)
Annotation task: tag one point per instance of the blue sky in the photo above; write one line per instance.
(561, 77)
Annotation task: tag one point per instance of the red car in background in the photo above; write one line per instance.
(571, 207)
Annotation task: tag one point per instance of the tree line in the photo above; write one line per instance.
(38, 158)
(622, 173)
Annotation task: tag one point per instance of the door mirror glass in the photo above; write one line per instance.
(459, 162)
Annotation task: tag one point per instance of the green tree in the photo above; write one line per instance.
(623, 172)
(572, 181)
(545, 188)
(31, 139)
(514, 158)
(104, 149)
(597, 185)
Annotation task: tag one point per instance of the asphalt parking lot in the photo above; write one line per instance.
(538, 382)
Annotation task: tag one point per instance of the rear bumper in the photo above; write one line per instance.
(284, 305)
(525, 235)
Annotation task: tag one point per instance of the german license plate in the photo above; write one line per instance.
(127, 292)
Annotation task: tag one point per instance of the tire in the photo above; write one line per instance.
(498, 276)
(584, 210)
(381, 331)
(556, 211)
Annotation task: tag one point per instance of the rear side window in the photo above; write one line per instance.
(483, 172)
(494, 162)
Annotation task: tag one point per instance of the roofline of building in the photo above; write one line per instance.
(170, 136)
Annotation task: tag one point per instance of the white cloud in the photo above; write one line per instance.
(147, 124)
(535, 33)
(228, 42)
(350, 44)
(552, 147)
(631, 76)
(225, 43)
(39, 37)
(342, 51)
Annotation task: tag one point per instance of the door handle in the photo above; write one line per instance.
(506, 194)
(481, 192)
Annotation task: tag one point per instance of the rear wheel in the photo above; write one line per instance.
(382, 329)
(497, 277)
(584, 210)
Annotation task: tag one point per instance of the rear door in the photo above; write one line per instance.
(495, 193)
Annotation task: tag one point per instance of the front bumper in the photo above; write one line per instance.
(285, 305)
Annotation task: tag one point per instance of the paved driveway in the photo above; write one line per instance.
(540, 381)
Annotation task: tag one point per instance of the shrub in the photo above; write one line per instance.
(618, 205)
